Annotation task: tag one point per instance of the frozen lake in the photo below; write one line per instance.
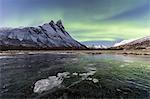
(69, 76)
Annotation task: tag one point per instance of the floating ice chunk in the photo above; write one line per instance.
(64, 74)
(75, 74)
(90, 69)
(47, 84)
(50, 83)
(91, 73)
(95, 80)
(89, 78)
(83, 74)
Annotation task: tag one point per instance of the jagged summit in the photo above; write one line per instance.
(47, 36)
(59, 24)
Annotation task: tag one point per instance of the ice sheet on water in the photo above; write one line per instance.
(85, 76)
(55, 81)
(50, 83)
(46, 84)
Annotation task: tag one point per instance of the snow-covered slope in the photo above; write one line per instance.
(123, 42)
(143, 43)
(47, 36)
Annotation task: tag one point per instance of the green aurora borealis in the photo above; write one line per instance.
(85, 20)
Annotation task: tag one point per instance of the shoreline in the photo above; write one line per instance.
(93, 52)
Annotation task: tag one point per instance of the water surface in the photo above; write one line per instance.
(114, 76)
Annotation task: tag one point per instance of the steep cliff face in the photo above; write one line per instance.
(47, 36)
(143, 43)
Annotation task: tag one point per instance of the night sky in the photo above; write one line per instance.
(85, 20)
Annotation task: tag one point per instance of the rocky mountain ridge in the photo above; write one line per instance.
(48, 36)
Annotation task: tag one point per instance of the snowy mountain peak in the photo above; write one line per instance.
(47, 36)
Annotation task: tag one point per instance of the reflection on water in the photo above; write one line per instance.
(88, 76)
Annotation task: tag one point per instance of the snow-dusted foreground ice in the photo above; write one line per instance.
(56, 81)
(55, 76)
(50, 83)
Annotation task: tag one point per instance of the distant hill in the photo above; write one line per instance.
(47, 36)
(142, 43)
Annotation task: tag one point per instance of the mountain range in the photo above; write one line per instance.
(48, 36)
(100, 44)
(54, 36)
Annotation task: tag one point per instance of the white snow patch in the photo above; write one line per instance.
(75, 74)
(124, 42)
(50, 83)
(95, 80)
